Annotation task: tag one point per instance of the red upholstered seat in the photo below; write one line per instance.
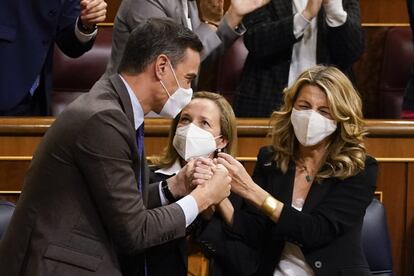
(72, 77)
(398, 58)
(230, 68)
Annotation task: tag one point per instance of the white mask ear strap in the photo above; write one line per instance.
(175, 76)
(163, 86)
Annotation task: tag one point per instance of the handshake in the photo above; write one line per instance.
(210, 181)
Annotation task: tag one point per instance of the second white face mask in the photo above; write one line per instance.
(311, 127)
(190, 141)
(176, 102)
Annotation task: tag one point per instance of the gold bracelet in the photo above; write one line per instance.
(269, 206)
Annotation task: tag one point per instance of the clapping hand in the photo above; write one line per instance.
(239, 8)
(92, 12)
(243, 7)
(211, 10)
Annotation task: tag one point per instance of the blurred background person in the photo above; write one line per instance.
(216, 32)
(28, 32)
(311, 187)
(284, 38)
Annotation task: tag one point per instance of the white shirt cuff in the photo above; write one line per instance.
(335, 14)
(82, 37)
(164, 201)
(300, 23)
(190, 208)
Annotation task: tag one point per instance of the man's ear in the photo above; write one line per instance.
(161, 64)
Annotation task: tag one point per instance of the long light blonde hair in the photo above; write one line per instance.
(228, 129)
(346, 152)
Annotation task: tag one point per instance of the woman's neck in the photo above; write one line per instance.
(311, 157)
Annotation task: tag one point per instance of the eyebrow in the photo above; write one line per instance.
(306, 102)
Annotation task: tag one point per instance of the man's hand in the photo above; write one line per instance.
(239, 8)
(92, 12)
(211, 10)
(180, 185)
(213, 191)
(203, 171)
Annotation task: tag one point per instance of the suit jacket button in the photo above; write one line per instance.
(318, 264)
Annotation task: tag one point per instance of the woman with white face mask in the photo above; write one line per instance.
(204, 127)
(310, 188)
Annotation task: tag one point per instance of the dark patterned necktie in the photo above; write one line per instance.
(139, 134)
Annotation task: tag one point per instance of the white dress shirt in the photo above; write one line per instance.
(304, 51)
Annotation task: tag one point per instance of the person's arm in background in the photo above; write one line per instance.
(345, 40)
(228, 29)
(270, 30)
(76, 30)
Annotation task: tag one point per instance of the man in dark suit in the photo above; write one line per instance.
(86, 205)
(28, 31)
(287, 37)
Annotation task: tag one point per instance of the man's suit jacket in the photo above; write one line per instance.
(28, 30)
(327, 230)
(270, 39)
(131, 13)
(80, 208)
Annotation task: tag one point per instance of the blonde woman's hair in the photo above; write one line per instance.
(228, 129)
(346, 152)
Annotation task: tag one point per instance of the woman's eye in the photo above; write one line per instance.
(205, 123)
(184, 120)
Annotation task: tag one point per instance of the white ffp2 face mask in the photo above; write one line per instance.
(190, 141)
(311, 127)
(176, 102)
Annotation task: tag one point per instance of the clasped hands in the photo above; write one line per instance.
(215, 178)
(92, 12)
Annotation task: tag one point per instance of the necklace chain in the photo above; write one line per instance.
(307, 176)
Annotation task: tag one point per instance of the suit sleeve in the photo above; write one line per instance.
(268, 35)
(105, 148)
(65, 34)
(215, 42)
(345, 42)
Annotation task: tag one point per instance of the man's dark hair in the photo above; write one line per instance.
(154, 37)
